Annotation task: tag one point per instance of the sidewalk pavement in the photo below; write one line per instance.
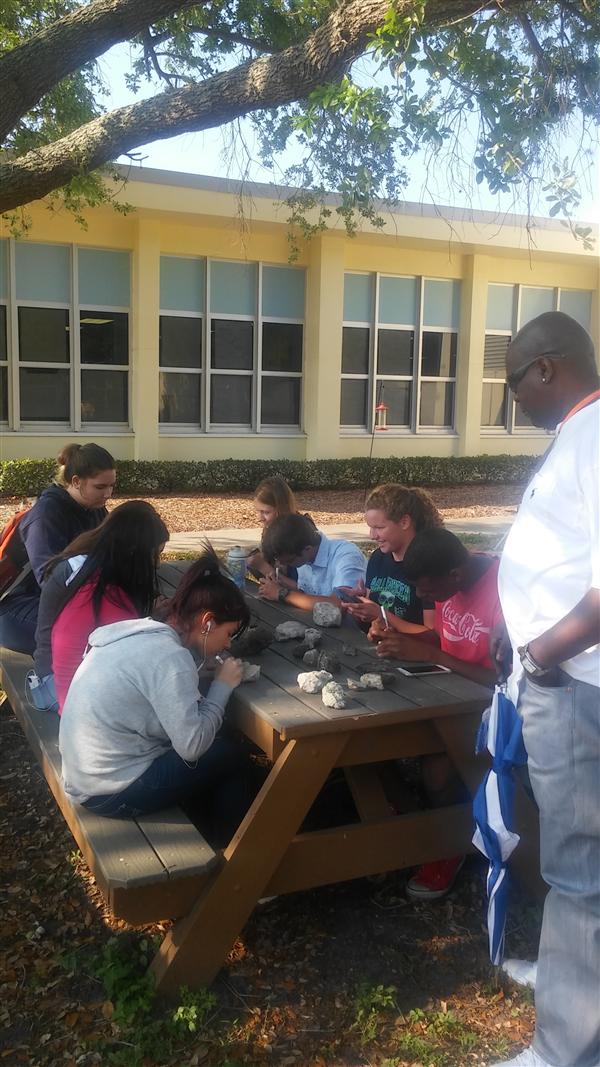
(351, 531)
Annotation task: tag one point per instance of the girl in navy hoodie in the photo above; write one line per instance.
(74, 503)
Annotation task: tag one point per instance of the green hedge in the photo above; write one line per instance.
(27, 477)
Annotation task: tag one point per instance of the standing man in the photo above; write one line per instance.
(549, 585)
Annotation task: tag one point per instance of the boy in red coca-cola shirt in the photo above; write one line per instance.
(464, 586)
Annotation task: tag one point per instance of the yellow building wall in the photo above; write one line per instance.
(208, 223)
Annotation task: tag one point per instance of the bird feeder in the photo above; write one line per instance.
(381, 416)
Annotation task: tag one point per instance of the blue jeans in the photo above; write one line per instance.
(216, 791)
(18, 622)
(561, 730)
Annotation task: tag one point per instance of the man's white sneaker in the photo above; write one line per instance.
(527, 1058)
(524, 972)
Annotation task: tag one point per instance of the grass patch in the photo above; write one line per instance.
(435, 1038)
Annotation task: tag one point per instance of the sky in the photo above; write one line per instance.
(219, 153)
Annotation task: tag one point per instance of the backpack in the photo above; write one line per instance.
(14, 562)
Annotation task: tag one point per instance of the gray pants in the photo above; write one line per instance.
(561, 729)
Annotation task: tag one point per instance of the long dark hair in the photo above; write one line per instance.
(122, 556)
(205, 588)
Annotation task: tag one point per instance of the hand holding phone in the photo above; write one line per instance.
(345, 594)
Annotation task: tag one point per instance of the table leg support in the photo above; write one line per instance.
(193, 951)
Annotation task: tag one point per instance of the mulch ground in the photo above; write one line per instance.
(350, 975)
(188, 513)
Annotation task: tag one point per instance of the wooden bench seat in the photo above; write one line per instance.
(147, 869)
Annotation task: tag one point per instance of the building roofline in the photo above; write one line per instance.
(271, 191)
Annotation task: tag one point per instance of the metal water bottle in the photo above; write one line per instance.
(236, 565)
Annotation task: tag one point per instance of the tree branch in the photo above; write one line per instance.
(32, 69)
(227, 36)
(265, 82)
(152, 59)
(533, 42)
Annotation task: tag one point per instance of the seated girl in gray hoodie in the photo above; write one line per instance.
(136, 734)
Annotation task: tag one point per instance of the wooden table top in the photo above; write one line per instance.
(278, 702)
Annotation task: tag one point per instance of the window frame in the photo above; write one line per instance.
(511, 426)
(256, 426)
(416, 379)
(4, 423)
(74, 367)
(185, 427)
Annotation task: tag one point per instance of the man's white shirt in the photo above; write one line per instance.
(551, 558)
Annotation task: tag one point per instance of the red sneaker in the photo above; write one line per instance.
(433, 880)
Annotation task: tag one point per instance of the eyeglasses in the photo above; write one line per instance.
(512, 380)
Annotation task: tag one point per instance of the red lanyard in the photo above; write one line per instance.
(589, 399)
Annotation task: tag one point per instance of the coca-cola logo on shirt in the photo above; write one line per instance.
(465, 627)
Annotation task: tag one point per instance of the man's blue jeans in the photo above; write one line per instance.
(220, 785)
(561, 730)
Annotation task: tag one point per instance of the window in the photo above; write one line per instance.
(4, 290)
(237, 365)
(70, 363)
(181, 332)
(509, 307)
(494, 398)
(399, 347)
(3, 365)
(104, 295)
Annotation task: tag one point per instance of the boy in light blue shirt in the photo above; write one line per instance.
(324, 565)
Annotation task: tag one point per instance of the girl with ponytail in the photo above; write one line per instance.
(136, 733)
(74, 503)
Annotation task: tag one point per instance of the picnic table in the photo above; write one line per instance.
(305, 741)
(160, 866)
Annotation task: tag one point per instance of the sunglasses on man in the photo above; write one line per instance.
(513, 380)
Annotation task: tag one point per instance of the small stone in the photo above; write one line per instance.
(388, 678)
(328, 661)
(333, 695)
(349, 650)
(250, 672)
(311, 658)
(372, 681)
(312, 638)
(353, 683)
(326, 614)
(289, 629)
(252, 642)
(313, 681)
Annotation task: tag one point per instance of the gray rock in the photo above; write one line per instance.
(326, 614)
(321, 661)
(250, 672)
(328, 661)
(349, 650)
(313, 681)
(289, 629)
(311, 658)
(252, 642)
(312, 638)
(372, 681)
(333, 695)
(353, 683)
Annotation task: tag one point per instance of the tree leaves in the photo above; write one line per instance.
(527, 73)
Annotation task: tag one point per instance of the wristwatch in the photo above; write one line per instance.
(530, 665)
(283, 594)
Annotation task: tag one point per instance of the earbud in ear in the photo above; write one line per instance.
(209, 626)
(544, 380)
